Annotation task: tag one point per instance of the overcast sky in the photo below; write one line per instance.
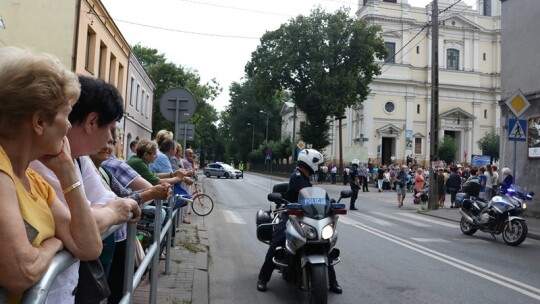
(213, 37)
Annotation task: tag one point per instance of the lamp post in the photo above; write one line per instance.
(267, 117)
(252, 135)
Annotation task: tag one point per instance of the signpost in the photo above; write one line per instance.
(178, 105)
(518, 104)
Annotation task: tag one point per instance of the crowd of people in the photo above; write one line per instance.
(413, 178)
(61, 183)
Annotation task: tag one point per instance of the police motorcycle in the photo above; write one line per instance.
(311, 235)
(498, 216)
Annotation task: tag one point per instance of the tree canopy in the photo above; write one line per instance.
(167, 75)
(326, 62)
(489, 144)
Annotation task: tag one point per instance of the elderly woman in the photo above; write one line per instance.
(147, 154)
(36, 97)
(508, 179)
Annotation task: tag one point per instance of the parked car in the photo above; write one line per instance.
(221, 170)
(239, 173)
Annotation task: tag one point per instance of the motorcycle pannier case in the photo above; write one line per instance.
(264, 225)
(459, 199)
(471, 188)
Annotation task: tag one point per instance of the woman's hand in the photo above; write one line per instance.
(61, 161)
(161, 191)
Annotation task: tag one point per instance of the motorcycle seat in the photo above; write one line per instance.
(481, 202)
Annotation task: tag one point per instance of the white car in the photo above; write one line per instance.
(221, 170)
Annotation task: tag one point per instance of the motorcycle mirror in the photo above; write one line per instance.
(274, 197)
(346, 194)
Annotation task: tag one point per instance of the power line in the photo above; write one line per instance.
(184, 32)
(237, 8)
(410, 40)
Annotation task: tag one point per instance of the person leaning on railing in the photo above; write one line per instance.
(36, 96)
(92, 119)
(117, 255)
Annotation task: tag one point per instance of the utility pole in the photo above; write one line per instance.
(434, 129)
(293, 155)
(339, 119)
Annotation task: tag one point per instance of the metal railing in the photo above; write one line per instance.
(38, 293)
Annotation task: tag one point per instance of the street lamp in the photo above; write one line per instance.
(267, 117)
(252, 135)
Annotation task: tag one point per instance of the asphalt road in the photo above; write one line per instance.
(389, 254)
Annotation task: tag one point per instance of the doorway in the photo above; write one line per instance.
(387, 150)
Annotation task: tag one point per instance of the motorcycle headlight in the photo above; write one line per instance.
(524, 205)
(327, 232)
(309, 232)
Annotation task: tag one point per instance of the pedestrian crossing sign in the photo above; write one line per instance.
(517, 129)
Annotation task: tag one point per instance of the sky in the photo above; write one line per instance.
(213, 37)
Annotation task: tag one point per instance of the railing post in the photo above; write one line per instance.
(155, 261)
(130, 260)
(169, 236)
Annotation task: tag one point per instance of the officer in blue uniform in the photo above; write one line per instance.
(307, 165)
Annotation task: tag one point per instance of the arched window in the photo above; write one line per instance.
(452, 59)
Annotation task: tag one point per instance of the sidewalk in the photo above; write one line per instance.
(187, 282)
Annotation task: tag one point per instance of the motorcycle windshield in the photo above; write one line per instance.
(314, 201)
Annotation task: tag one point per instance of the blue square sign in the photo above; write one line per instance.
(517, 129)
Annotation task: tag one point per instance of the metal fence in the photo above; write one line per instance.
(38, 293)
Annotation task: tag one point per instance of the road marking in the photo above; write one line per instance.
(411, 222)
(233, 217)
(428, 240)
(368, 218)
(494, 277)
(429, 220)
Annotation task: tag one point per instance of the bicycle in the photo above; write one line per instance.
(201, 204)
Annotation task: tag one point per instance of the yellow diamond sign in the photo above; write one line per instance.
(517, 103)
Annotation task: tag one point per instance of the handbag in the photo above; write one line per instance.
(92, 287)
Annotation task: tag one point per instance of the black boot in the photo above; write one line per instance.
(352, 207)
(261, 285)
(335, 288)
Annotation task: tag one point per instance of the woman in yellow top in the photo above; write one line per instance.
(36, 96)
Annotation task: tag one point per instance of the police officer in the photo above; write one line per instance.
(308, 163)
(355, 182)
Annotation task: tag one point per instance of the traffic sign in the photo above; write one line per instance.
(301, 145)
(517, 103)
(517, 129)
(177, 105)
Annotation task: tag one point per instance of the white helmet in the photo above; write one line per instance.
(311, 159)
(355, 162)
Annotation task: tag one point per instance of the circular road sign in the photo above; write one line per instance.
(186, 105)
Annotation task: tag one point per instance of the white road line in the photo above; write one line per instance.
(397, 218)
(368, 218)
(233, 217)
(428, 240)
(429, 219)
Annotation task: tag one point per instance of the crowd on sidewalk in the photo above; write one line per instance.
(62, 184)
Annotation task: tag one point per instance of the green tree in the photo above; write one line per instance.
(489, 144)
(326, 62)
(447, 149)
(167, 75)
(244, 109)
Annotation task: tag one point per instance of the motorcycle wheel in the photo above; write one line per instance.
(317, 288)
(515, 232)
(466, 228)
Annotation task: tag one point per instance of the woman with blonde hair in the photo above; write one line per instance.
(36, 97)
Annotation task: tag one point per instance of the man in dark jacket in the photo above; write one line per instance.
(453, 184)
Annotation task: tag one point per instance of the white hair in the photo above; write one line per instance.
(506, 171)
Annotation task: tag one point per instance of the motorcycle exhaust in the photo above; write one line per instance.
(467, 217)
